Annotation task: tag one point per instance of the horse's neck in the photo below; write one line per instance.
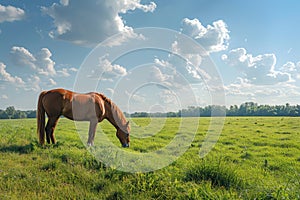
(111, 116)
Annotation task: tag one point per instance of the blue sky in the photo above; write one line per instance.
(254, 46)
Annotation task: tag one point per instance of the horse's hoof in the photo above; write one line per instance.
(90, 144)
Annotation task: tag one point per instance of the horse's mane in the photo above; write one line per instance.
(106, 99)
(115, 109)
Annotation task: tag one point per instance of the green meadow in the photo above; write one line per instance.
(254, 158)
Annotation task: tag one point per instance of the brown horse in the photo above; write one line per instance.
(92, 107)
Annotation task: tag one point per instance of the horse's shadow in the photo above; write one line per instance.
(21, 149)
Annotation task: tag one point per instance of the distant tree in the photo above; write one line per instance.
(139, 114)
(298, 110)
(217, 110)
(3, 114)
(19, 115)
(232, 111)
(31, 114)
(10, 111)
(126, 114)
(171, 114)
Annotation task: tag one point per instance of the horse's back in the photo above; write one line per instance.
(75, 106)
(87, 106)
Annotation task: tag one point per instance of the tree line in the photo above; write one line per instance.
(245, 109)
(11, 113)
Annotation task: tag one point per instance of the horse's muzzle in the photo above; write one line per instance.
(126, 145)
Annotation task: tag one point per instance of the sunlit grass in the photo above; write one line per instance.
(255, 157)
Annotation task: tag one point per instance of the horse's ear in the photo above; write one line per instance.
(127, 124)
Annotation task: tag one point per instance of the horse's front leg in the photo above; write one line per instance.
(92, 131)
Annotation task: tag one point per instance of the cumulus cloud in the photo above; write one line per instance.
(64, 72)
(164, 72)
(213, 38)
(4, 96)
(289, 67)
(90, 22)
(256, 69)
(124, 6)
(209, 39)
(44, 62)
(27, 83)
(73, 69)
(52, 82)
(171, 74)
(5, 76)
(41, 62)
(194, 56)
(64, 2)
(111, 70)
(293, 69)
(156, 75)
(136, 97)
(242, 90)
(167, 97)
(22, 57)
(107, 71)
(10, 13)
(33, 83)
(236, 87)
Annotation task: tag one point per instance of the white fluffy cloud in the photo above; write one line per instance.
(293, 69)
(242, 90)
(289, 67)
(259, 69)
(44, 62)
(41, 62)
(52, 82)
(136, 98)
(213, 37)
(10, 13)
(173, 74)
(4, 96)
(39, 69)
(209, 39)
(107, 71)
(64, 72)
(156, 75)
(22, 57)
(164, 72)
(262, 80)
(5, 76)
(90, 22)
(111, 70)
(33, 83)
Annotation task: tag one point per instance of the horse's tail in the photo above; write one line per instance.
(41, 119)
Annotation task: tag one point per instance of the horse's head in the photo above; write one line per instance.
(123, 135)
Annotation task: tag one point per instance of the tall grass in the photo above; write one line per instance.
(244, 164)
(218, 173)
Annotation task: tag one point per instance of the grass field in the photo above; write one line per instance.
(255, 158)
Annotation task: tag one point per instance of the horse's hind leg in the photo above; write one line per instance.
(52, 121)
